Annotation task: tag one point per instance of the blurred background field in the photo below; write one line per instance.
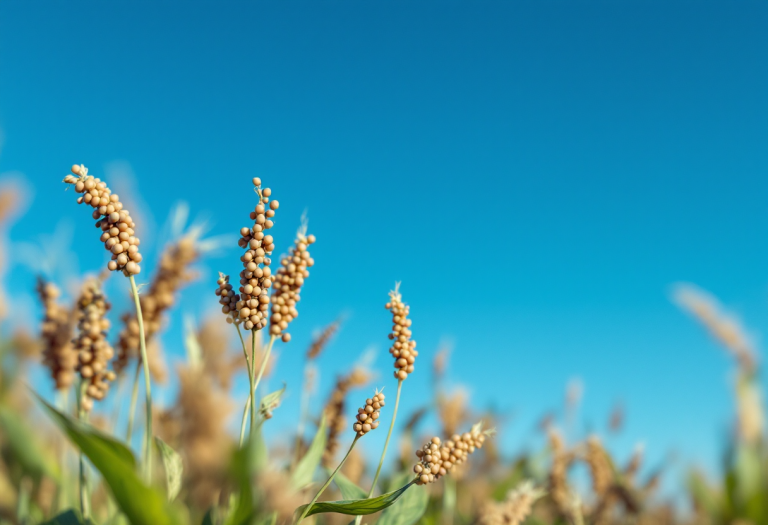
(541, 177)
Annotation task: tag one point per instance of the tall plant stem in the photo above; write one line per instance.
(85, 508)
(358, 519)
(249, 367)
(304, 401)
(328, 482)
(132, 406)
(147, 383)
(62, 402)
(263, 366)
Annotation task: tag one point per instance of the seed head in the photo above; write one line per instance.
(438, 459)
(514, 509)
(600, 468)
(403, 348)
(320, 342)
(368, 416)
(228, 299)
(112, 219)
(91, 345)
(256, 277)
(334, 410)
(56, 333)
(288, 282)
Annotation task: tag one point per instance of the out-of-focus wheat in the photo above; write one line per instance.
(56, 332)
(514, 509)
(334, 410)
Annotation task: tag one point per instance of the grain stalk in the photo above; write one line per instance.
(147, 383)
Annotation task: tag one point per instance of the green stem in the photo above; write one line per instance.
(263, 366)
(249, 367)
(147, 382)
(61, 500)
(333, 475)
(132, 407)
(85, 509)
(358, 519)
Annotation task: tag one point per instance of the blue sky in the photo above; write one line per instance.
(537, 174)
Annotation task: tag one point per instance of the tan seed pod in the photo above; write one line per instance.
(403, 347)
(288, 282)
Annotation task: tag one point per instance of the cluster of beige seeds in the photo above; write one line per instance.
(56, 334)
(117, 227)
(91, 345)
(288, 281)
(437, 460)
(368, 416)
(228, 299)
(514, 509)
(404, 348)
(255, 279)
(172, 273)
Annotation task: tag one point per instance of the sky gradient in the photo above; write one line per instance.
(537, 174)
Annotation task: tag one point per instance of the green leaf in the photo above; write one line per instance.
(357, 507)
(25, 446)
(208, 518)
(246, 463)
(68, 517)
(305, 470)
(142, 505)
(347, 487)
(408, 509)
(173, 468)
(270, 402)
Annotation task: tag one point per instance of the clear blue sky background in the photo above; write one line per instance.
(538, 174)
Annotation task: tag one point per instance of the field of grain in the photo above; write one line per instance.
(65, 461)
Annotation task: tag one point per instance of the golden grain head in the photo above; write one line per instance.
(367, 418)
(114, 221)
(403, 348)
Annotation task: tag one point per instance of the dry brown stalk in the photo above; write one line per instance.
(202, 412)
(334, 410)
(562, 459)
(722, 326)
(56, 332)
(115, 222)
(321, 341)
(173, 272)
(514, 509)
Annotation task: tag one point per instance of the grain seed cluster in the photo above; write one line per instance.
(288, 281)
(437, 460)
(56, 333)
(368, 415)
(404, 348)
(115, 222)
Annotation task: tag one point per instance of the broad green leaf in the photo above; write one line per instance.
(409, 508)
(347, 487)
(173, 468)
(246, 463)
(25, 446)
(358, 507)
(208, 518)
(68, 517)
(270, 402)
(142, 505)
(305, 470)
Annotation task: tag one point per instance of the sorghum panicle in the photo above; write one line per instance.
(91, 345)
(437, 460)
(321, 341)
(115, 222)
(56, 333)
(288, 281)
(172, 273)
(256, 276)
(514, 509)
(228, 299)
(368, 415)
(334, 410)
(404, 348)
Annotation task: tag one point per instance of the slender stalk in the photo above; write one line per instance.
(61, 403)
(303, 402)
(85, 509)
(263, 366)
(249, 367)
(22, 501)
(132, 407)
(328, 482)
(147, 382)
(358, 519)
